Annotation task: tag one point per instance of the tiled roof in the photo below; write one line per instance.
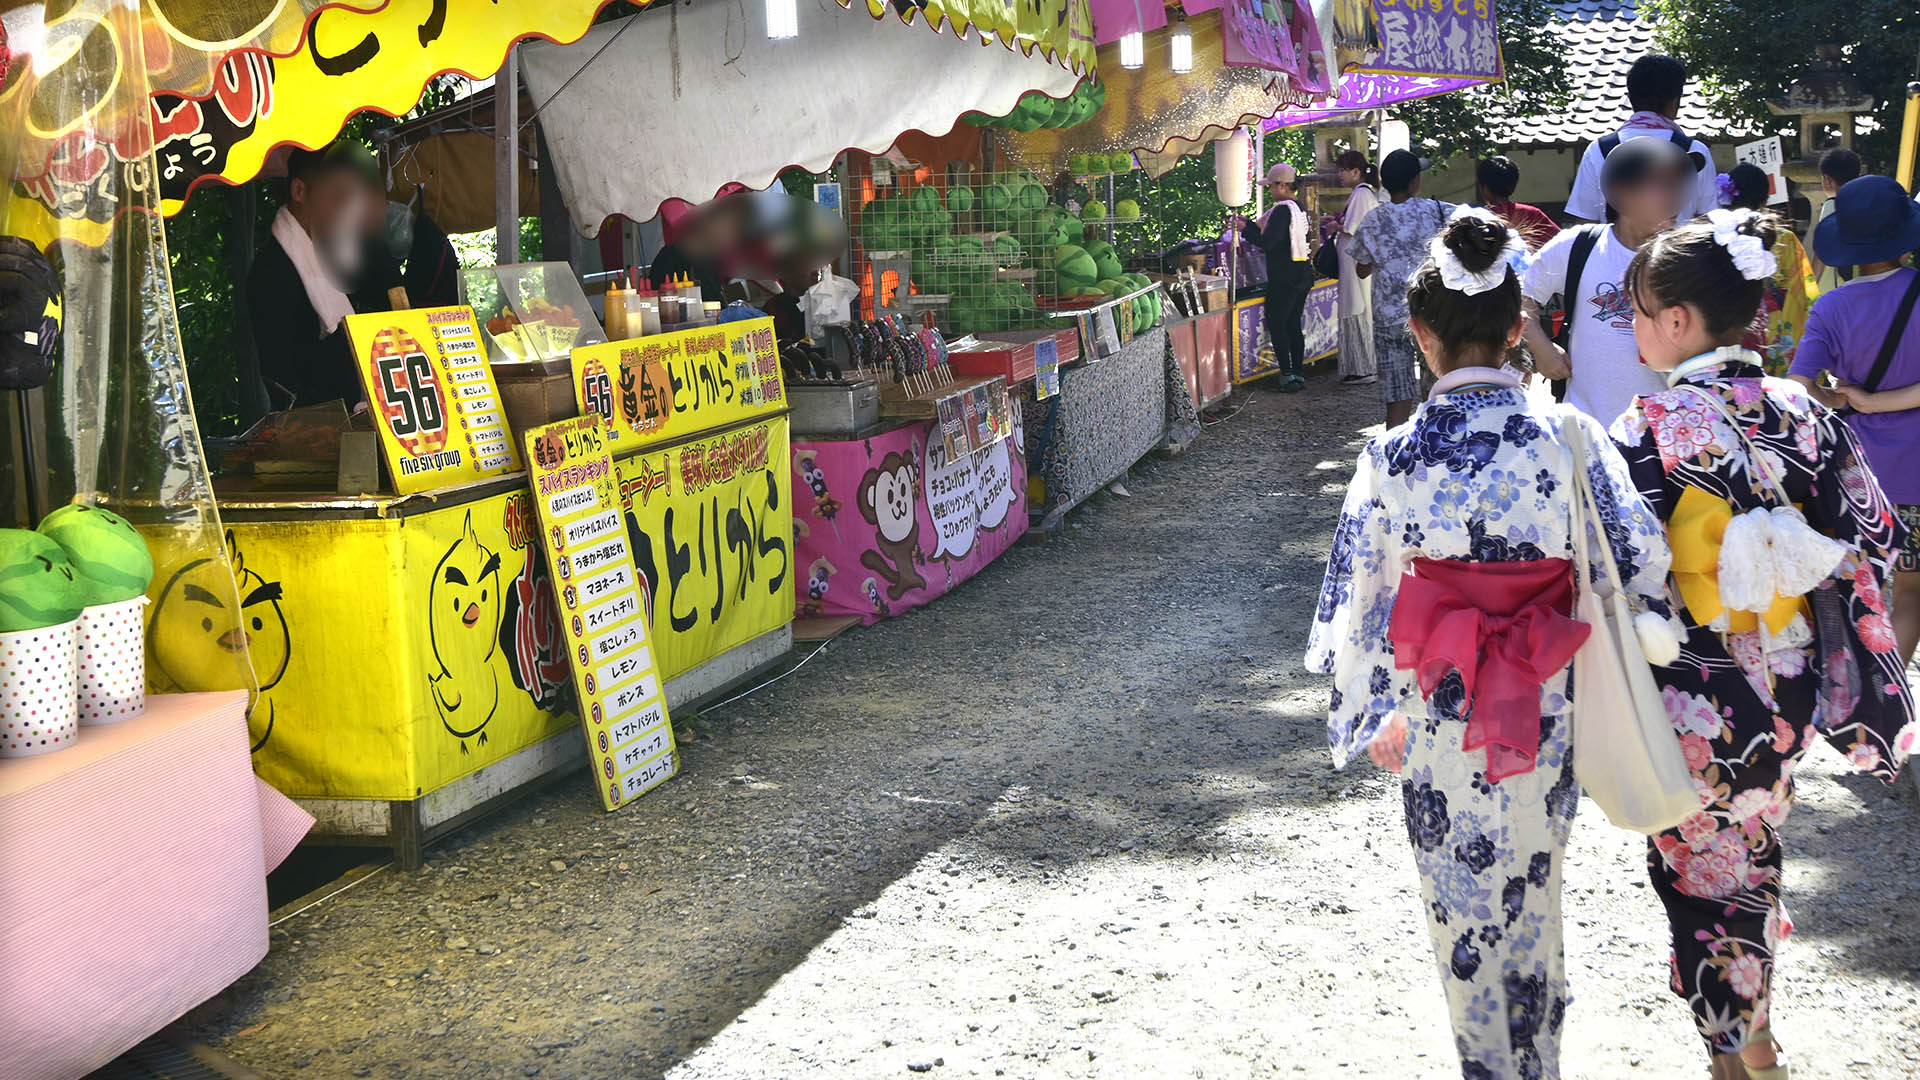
(1600, 40)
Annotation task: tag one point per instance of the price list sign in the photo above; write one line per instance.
(432, 392)
(602, 608)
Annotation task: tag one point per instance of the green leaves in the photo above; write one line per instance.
(1775, 45)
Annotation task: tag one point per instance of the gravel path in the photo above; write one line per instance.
(1075, 820)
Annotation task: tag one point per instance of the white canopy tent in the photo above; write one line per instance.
(698, 97)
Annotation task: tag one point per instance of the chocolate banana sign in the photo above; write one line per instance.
(87, 110)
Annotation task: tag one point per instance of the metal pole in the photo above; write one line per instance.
(506, 159)
(1259, 171)
(28, 470)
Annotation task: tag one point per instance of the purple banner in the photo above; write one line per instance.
(1253, 349)
(1365, 91)
(1447, 39)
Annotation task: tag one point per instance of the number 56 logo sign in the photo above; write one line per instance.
(406, 393)
(428, 382)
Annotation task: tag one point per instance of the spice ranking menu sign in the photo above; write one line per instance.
(429, 385)
(602, 608)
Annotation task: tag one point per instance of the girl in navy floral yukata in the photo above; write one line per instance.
(1445, 622)
(1786, 611)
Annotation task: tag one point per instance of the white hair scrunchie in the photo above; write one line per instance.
(1454, 274)
(1751, 256)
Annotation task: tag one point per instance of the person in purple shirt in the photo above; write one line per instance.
(1874, 224)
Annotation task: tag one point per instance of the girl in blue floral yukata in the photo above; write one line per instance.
(1781, 539)
(1444, 620)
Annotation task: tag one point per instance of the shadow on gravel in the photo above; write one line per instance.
(1851, 869)
(1135, 683)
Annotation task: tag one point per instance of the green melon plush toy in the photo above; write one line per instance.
(38, 585)
(109, 556)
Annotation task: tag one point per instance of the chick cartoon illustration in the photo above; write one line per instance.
(200, 640)
(463, 627)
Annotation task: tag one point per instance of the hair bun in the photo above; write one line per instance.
(1762, 224)
(1476, 241)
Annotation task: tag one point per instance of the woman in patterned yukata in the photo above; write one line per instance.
(1455, 545)
(1788, 637)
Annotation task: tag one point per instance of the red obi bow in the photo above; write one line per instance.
(1505, 627)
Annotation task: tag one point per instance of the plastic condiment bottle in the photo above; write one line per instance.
(614, 311)
(649, 311)
(690, 294)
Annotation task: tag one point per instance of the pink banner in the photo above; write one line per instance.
(885, 524)
(1253, 35)
(1114, 19)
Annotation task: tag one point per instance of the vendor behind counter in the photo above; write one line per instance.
(325, 258)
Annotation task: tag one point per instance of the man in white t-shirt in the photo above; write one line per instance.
(1654, 86)
(1646, 181)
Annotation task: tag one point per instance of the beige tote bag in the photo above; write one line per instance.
(1626, 753)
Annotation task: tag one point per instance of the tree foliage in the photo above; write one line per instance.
(1738, 69)
(1183, 205)
(1474, 122)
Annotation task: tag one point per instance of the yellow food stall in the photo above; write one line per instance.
(412, 668)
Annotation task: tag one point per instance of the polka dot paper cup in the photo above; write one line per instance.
(112, 661)
(39, 672)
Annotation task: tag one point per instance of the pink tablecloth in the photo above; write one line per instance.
(132, 881)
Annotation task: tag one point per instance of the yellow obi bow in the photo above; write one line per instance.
(1695, 531)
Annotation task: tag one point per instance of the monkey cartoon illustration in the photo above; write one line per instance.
(887, 502)
(817, 576)
(463, 626)
(872, 589)
(196, 632)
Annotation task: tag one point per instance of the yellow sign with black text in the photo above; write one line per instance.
(431, 392)
(710, 522)
(667, 387)
(623, 705)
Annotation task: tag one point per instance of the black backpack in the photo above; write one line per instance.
(1609, 143)
(1583, 242)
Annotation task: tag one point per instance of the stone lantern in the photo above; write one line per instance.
(1828, 95)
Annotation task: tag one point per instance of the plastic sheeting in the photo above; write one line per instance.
(660, 113)
(115, 424)
(1154, 111)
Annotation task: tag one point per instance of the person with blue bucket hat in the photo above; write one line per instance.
(1865, 335)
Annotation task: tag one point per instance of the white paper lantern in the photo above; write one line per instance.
(1233, 168)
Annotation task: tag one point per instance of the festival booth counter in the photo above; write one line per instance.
(413, 667)
(1252, 346)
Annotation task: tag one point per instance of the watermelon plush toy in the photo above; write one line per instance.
(1073, 267)
(37, 584)
(109, 557)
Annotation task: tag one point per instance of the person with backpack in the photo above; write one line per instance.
(1387, 249)
(1655, 85)
(1866, 336)
(1647, 182)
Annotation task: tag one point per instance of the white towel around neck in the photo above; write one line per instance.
(328, 301)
